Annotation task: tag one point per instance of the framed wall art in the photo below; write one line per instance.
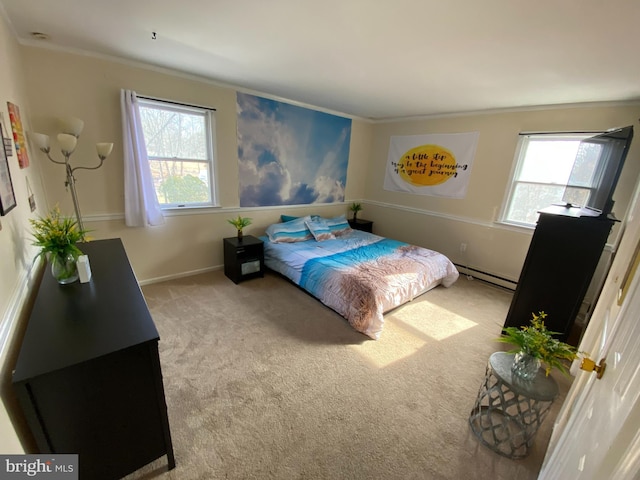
(7, 195)
(18, 135)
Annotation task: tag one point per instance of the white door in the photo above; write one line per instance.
(597, 436)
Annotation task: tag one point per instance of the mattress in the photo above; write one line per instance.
(361, 275)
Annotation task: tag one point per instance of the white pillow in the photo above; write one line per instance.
(320, 230)
(290, 232)
(338, 225)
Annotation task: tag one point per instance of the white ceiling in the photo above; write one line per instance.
(368, 58)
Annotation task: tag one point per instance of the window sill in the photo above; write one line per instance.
(189, 210)
(515, 227)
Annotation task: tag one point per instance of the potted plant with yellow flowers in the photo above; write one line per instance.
(535, 344)
(240, 223)
(57, 235)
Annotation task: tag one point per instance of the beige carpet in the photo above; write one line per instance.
(264, 382)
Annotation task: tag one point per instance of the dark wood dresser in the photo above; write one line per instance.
(88, 374)
(562, 258)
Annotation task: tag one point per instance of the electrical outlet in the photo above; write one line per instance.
(463, 247)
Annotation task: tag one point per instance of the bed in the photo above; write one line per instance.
(358, 274)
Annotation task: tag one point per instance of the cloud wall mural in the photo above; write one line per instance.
(290, 155)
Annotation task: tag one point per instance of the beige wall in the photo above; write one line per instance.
(65, 84)
(16, 275)
(47, 85)
(443, 224)
(61, 84)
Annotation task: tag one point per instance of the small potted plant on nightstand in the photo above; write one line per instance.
(355, 208)
(240, 223)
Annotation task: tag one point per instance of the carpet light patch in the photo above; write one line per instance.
(395, 344)
(423, 320)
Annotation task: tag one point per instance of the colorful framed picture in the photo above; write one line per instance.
(7, 195)
(18, 135)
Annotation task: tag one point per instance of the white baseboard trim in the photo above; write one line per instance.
(488, 277)
(16, 304)
(190, 273)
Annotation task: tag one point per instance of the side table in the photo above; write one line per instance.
(361, 224)
(243, 258)
(509, 411)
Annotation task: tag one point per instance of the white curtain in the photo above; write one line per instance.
(141, 207)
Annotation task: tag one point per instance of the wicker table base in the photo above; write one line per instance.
(508, 412)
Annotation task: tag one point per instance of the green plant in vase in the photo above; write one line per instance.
(536, 342)
(57, 235)
(355, 208)
(240, 223)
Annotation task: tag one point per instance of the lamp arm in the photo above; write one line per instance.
(52, 159)
(88, 168)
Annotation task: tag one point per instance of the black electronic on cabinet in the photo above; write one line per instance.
(562, 258)
(88, 374)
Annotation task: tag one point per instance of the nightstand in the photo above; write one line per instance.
(361, 224)
(243, 259)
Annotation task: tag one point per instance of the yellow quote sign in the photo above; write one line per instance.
(427, 165)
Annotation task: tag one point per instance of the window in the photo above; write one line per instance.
(179, 141)
(544, 164)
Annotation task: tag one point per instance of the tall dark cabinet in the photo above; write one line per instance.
(562, 257)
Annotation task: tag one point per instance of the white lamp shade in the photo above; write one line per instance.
(67, 143)
(40, 140)
(104, 149)
(72, 126)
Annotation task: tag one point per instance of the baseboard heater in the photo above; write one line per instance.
(487, 277)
